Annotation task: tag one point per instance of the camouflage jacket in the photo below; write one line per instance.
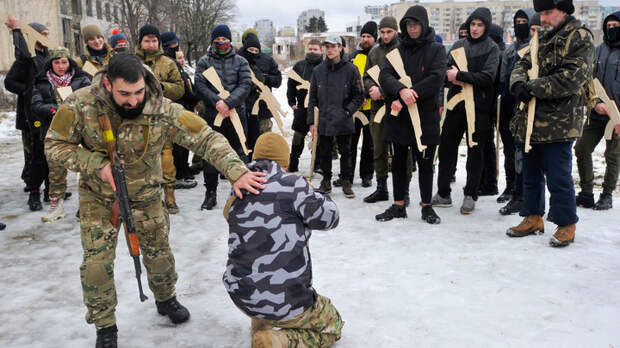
(565, 59)
(76, 140)
(166, 71)
(98, 63)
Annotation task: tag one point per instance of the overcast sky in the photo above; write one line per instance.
(284, 12)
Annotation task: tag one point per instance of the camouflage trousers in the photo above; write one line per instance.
(169, 171)
(265, 125)
(99, 240)
(319, 326)
(57, 179)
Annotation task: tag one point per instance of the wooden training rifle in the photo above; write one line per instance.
(614, 114)
(374, 74)
(531, 106)
(466, 94)
(272, 103)
(499, 100)
(397, 63)
(213, 78)
(303, 84)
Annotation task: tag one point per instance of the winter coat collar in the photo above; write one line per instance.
(149, 58)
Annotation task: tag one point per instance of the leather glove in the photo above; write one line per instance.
(523, 92)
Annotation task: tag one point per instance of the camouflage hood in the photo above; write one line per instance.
(154, 93)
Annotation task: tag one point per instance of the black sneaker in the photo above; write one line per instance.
(366, 182)
(210, 200)
(174, 310)
(337, 183)
(429, 215)
(107, 337)
(34, 200)
(585, 199)
(505, 196)
(395, 211)
(510, 208)
(604, 202)
(2, 226)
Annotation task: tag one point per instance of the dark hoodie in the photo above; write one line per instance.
(607, 66)
(425, 63)
(44, 97)
(482, 61)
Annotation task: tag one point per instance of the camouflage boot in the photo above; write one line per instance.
(270, 339)
(171, 203)
(563, 236)
(530, 225)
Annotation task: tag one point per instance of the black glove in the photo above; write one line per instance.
(523, 92)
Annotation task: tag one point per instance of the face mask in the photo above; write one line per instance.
(522, 31)
(314, 57)
(613, 34)
(121, 49)
(130, 114)
(171, 51)
(251, 57)
(221, 47)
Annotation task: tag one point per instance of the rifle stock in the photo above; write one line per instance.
(374, 74)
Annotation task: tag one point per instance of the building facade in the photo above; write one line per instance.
(266, 31)
(304, 19)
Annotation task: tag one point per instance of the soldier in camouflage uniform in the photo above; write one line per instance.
(562, 92)
(142, 121)
(269, 271)
(166, 72)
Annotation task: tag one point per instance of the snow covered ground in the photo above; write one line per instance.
(402, 283)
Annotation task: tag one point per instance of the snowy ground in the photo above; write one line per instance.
(397, 284)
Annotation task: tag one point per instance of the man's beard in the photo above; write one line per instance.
(130, 114)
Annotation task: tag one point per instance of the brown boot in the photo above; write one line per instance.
(171, 202)
(326, 186)
(532, 224)
(347, 189)
(270, 339)
(563, 236)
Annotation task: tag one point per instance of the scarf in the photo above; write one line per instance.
(59, 81)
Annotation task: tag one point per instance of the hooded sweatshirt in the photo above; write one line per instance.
(425, 63)
(482, 62)
(607, 66)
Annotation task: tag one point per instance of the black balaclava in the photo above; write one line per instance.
(463, 27)
(251, 40)
(314, 58)
(522, 31)
(611, 36)
(483, 14)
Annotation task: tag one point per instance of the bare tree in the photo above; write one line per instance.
(131, 17)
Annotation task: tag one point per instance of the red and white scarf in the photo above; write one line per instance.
(59, 81)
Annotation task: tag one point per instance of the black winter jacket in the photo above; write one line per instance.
(266, 70)
(44, 97)
(607, 68)
(337, 91)
(425, 62)
(295, 96)
(19, 79)
(482, 63)
(234, 72)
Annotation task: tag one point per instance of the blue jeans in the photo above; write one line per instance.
(552, 161)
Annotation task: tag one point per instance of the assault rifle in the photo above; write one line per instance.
(121, 209)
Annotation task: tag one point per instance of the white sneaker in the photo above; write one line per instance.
(56, 211)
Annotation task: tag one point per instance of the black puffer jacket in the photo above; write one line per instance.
(607, 66)
(20, 77)
(482, 63)
(425, 62)
(336, 90)
(266, 70)
(44, 97)
(295, 96)
(234, 72)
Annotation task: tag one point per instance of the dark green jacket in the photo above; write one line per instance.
(565, 58)
(376, 56)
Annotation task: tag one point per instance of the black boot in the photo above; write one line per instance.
(337, 182)
(585, 199)
(34, 200)
(429, 215)
(210, 200)
(395, 211)
(2, 226)
(511, 207)
(296, 151)
(506, 195)
(107, 337)
(46, 195)
(604, 202)
(174, 310)
(381, 194)
(367, 182)
(68, 195)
